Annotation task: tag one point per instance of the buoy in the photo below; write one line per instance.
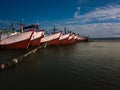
(15, 61)
(45, 45)
(2, 66)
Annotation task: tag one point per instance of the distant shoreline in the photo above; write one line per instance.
(104, 39)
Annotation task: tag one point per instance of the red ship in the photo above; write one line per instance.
(83, 39)
(64, 39)
(36, 38)
(71, 39)
(52, 39)
(17, 41)
(37, 35)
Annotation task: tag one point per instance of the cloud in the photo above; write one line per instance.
(101, 22)
(93, 30)
(107, 13)
(97, 30)
(76, 14)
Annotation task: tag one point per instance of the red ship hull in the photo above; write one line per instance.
(74, 39)
(18, 41)
(36, 38)
(71, 40)
(83, 39)
(18, 45)
(54, 42)
(51, 39)
(64, 39)
(35, 42)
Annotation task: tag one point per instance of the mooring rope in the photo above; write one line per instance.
(15, 61)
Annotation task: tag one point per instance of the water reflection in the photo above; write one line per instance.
(92, 65)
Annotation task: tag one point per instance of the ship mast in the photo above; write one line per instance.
(65, 30)
(21, 26)
(54, 29)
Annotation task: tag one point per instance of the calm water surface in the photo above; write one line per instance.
(82, 66)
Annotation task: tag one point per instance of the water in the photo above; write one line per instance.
(82, 66)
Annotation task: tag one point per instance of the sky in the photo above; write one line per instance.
(93, 18)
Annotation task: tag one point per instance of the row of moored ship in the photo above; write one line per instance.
(31, 36)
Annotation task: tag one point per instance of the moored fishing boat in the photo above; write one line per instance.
(36, 38)
(37, 35)
(83, 39)
(52, 39)
(74, 38)
(64, 39)
(17, 41)
(71, 39)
